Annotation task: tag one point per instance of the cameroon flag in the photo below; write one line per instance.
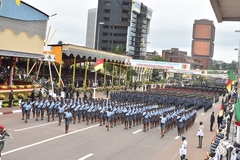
(221, 109)
(237, 113)
(231, 77)
(99, 64)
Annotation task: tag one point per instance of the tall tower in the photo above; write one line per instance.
(203, 42)
(122, 23)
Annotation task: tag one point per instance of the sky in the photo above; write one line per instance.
(170, 27)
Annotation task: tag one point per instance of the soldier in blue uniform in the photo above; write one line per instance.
(61, 109)
(23, 106)
(27, 111)
(68, 118)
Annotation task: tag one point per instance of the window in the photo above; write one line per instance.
(124, 19)
(120, 35)
(107, 3)
(104, 41)
(105, 34)
(106, 11)
(119, 42)
(125, 3)
(125, 11)
(106, 18)
(120, 27)
(106, 26)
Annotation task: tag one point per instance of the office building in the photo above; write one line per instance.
(123, 23)
(203, 42)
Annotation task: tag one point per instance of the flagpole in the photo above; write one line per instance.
(95, 81)
(104, 77)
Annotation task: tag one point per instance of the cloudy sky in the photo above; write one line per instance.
(171, 24)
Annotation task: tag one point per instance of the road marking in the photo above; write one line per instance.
(17, 111)
(47, 140)
(1, 113)
(87, 156)
(202, 114)
(137, 131)
(177, 137)
(35, 126)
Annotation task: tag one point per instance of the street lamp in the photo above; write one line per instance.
(95, 84)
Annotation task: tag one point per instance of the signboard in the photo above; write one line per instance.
(156, 64)
(48, 57)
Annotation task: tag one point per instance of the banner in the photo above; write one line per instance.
(156, 64)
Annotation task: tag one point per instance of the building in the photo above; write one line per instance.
(174, 55)
(122, 23)
(149, 55)
(203, 42)
(22, 32)
(226, 10)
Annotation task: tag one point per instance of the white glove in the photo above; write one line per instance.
(11, 136)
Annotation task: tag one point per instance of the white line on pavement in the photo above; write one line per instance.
(137, 131)
(35, 126)
(202, 114)
(47, 140)
(17, 111)
(177, 137)
(1, 113)
(87, 156)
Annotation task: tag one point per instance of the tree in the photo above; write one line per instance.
(60, 42)
(118, 50)
(155, 73)
(156, 58)
(131, 72)
(224, 66)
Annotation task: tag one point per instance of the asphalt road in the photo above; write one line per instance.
(42, 140)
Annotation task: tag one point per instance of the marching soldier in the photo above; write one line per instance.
(68, 118)
(60, 113)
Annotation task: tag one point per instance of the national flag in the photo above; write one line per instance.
(237, 113)
(18, 2)
(231, 78)
(99, 64)
(221, 109)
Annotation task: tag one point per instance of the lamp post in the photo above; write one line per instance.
(238, 87)
(95, 80)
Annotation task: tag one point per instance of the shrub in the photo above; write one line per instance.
(21, 86)
(20, 95)
(2, 97)
(13, 87)
(3, 87)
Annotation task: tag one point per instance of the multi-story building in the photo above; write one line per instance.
(203, 42)
(149, 55)
(174, 55)
(122, 23)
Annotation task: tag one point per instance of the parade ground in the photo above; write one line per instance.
(42, 140)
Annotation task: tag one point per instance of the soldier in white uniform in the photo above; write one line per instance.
(200, 134)
(183, 149)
